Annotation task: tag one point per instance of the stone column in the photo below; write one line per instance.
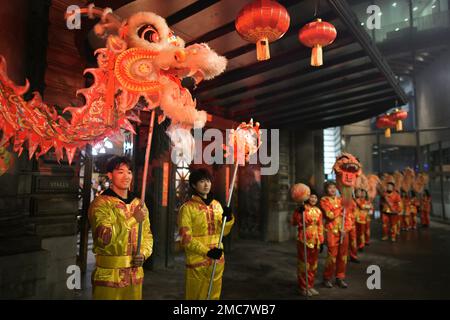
(275, 196)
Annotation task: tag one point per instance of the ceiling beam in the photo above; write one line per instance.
(349, 117)
(189, 10)
(213, 34)
(297, 90)
(347, 90)
(333, 107)
(344, 118)
(339, 119)
(289, 57)
(296, 73)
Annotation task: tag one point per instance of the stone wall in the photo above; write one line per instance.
(61, 253)
(38, 199)
(276, 198)
(301, 161)
(23, 275)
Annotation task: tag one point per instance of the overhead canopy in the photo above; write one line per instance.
(355, 82)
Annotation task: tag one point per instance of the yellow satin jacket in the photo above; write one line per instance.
(114, 231)
(200, 227)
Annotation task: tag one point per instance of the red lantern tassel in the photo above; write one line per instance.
(262, 49)
(387, 132)
(316, 56)
(399, 125)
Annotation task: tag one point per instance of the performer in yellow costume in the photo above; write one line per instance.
(200, 223)
(114, 217)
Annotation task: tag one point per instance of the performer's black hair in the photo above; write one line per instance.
(313, 191)
(116, 161)
(366, 194)
(197, 175)
(327, 184)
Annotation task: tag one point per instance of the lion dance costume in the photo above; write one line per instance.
(338, 216)
(200, 225)
(363, 207)
(314, 238)
(362, 221)
(115, 230)
(406, 185)
(390, 209)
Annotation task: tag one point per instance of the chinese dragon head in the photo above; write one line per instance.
(142, 59)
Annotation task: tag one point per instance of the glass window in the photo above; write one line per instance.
(430, 14)
(360, 10)
(394, 19)
(332, 148)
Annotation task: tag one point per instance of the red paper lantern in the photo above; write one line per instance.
(398, 115)
(385, 122)
(300, 192)
(317, 34)
(262, 21)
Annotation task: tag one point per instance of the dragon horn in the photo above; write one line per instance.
(108, 20)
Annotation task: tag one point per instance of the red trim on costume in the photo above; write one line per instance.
(209, 218)
(104, 233)
(185, 237)
(128, 276)
(204, 263)
(213, 225)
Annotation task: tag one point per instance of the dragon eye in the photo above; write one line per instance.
(173, 39)
(148, 33)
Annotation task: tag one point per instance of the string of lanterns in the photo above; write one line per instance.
(391, 120)
(266, 21)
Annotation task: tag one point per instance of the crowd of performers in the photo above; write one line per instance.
(115, 215)
(324, 225)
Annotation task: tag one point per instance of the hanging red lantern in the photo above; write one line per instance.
(385, 122)
(262, 21)
(398, 115)
(317, 34)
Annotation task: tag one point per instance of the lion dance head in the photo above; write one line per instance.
(347, 169)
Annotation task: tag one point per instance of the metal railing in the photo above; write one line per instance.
(428, 22)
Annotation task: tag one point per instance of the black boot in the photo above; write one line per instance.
(354, 260)
(327, 284)
(341, 283)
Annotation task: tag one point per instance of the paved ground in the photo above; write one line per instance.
(416, 267)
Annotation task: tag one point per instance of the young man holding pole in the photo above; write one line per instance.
(114, 217)
(337, 226)
(200, 223)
